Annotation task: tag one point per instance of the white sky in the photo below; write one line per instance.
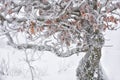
(111, 55)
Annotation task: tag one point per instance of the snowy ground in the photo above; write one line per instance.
(48, 67)
(51, 67)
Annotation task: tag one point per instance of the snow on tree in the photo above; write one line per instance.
(74, 26)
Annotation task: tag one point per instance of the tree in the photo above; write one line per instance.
(69, 22)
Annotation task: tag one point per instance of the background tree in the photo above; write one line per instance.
(64, 27)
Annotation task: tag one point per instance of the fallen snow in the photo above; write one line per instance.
(51, 67)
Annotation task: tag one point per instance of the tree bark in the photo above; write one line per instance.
(89, 67)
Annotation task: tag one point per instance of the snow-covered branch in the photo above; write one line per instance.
(45, 48)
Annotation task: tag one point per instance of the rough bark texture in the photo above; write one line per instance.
(89, 68)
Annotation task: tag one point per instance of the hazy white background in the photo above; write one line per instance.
(51, 67)
(111, 55)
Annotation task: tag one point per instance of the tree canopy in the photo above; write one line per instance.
(66, 21)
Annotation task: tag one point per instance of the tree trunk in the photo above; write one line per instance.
(89, 67)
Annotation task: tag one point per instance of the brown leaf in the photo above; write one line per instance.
(105, 27)
(111, 19)
(20, 30)
(83, 14)
(32, 30)
(105, 19)
(98, 4)
(48, 22)
(41, 28)
(10, 11)
(32, 23)
(67, 43)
